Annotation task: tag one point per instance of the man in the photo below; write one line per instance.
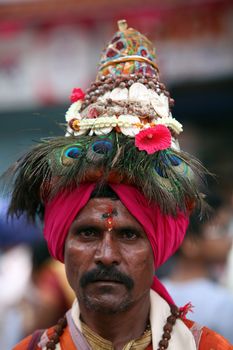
(115, 195)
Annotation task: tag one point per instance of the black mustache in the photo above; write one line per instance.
(106, 273)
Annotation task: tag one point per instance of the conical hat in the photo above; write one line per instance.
(129, 52)
(127, 95)
(120, 130)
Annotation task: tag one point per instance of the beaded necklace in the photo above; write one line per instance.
(163, 344)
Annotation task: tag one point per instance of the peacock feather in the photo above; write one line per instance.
(169, 177)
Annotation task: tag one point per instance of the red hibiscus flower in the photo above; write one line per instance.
(153, 139)
(77, 94)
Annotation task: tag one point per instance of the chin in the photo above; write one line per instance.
(107, 304)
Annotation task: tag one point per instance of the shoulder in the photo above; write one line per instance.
(32, 341)
(24, 344)
(207, 339)
(39, 339)
(213, 340)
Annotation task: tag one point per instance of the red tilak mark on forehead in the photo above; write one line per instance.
(109, 223)
(109, 218)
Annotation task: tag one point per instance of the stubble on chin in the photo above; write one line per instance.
(105, 304)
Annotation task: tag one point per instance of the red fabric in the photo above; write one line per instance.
(59, 215)
(164, 232)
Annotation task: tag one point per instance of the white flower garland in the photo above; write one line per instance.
(125, 122)
(129, 125)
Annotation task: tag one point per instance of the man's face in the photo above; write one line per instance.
(108, 258)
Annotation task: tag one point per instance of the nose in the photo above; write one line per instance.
(107, 251)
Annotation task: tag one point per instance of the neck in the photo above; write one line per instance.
(119, 328)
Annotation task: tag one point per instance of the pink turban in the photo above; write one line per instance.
(165, 232)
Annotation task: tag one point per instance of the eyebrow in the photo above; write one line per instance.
(99, 229)
(83, 227)
(132, 229)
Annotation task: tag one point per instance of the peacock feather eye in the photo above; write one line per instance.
(167, 160)
(102, 147)
(73, 152)
(99, 150)
(174, 160)
(160, 171)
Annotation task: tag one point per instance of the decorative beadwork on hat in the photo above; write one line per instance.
(129, 52)
(127, 96)
(119, 130)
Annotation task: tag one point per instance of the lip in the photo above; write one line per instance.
(108, 282)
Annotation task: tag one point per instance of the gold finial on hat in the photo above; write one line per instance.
(122, 25)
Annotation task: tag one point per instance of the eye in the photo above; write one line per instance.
(128, 235)
(87, 234)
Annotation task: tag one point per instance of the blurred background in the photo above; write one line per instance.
(49, 47)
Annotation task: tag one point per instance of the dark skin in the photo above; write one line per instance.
(115, 307)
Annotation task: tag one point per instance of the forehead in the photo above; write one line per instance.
(97, 207)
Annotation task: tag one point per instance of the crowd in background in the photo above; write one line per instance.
(34, 292)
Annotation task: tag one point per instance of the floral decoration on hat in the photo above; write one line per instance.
(153, 139)
(120, 129)
(77, 94)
